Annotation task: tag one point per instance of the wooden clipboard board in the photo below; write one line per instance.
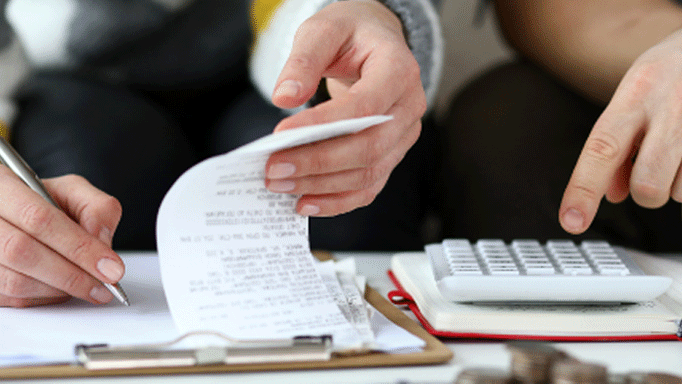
(435, 352)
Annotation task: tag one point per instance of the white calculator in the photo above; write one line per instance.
(526, 271)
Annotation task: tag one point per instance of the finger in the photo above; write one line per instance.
(23, 254)
(331, 204)
(676, 190)
(338, 203)
(360, 150)
(14, 302)
(311, 54)
(374, 93)
(657, 161)
(97, 212)
(354, 179)
(30, 213)
(620, 185)
(604, 152)
(17, 285)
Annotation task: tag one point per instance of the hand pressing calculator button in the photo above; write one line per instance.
(525, 271)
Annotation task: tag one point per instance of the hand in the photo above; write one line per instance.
(359, 47)
(636, 145)
(47, 255)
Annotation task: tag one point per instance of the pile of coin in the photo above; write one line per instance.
(540, 363)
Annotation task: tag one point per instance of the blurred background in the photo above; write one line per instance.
(472, 45)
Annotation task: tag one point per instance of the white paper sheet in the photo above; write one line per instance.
(49, 333)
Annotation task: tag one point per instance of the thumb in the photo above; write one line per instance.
(312, 53)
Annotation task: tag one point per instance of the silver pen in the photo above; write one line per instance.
(10, 158)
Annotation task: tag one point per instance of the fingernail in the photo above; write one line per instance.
(105, 236)
(309, 210)
(101, 294)
(111, 269)
(288, 88)
(281, 185)
(573, 219)
(281, 170)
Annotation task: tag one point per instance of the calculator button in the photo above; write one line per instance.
(467, 272)
(533, 270)
(504, 271)
(614, 271)
(457, 243)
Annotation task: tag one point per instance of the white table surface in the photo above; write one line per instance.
(619, 357)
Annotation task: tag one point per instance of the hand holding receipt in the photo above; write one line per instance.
(49, 263)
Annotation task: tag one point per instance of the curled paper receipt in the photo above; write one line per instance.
(235, 257)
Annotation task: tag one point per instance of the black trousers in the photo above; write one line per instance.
(133, 144)
(511, 140)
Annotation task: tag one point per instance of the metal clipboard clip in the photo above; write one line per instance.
(300, 348)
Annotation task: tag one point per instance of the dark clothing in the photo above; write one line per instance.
(133, 144)
(511, 140)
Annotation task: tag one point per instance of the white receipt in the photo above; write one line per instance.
(235, 257)
(348, 298)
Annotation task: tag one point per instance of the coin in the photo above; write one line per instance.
(575, 372)
(483, 376)
(531, 361)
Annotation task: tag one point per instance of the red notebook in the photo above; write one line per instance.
(654, 320)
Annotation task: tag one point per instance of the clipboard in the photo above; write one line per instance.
(434, 352)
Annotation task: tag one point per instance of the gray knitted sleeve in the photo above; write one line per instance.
(424, 36)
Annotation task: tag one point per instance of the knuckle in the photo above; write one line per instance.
(602, 147)
(649, 195)
(36, 218)
(17, 251)
(369, 177)
(110, 205)
(375, 151)
(586, 191)
(319, 162)
(81, 250)
(74, 282)
(372, 175)
(372, 155)
(302, 63)
(642, 79)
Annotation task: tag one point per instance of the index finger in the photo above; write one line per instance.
(606, 149)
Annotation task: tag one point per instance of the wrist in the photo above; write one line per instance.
(423, 35)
